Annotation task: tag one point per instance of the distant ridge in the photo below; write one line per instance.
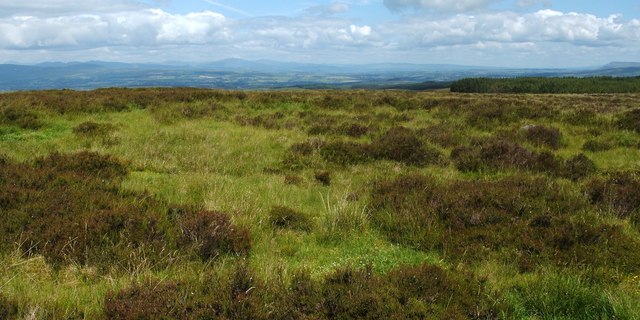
(268, 74)
(619, 65)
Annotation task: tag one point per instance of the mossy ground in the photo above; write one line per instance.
(320, 195)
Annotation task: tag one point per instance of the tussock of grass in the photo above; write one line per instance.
(284, 217)
(396, 205)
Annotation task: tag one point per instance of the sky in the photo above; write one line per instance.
(509, 33)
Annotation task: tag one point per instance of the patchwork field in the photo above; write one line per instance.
(203, 204)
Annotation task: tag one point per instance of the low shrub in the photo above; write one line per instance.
(578, 167)
(618, 192)
(231, 295)
(493, 113)
(408, 292)
(543, 136)
(321, 129)
(293, 180)
(147, 301)
(83, 164)
(446, 294)
(354, 130)
(90, 128)
(346, 153)
(21, 117)
(596, 146)
(200, 110)
(213, 234)
(68, 208)
(328, 125)
(333, 102)
(444, 135)
(284, 217)
(299, 299)
(474, 220)
(582, 117)
(500, 154)
(299, 154)
(629, 120)
(307, 148)
(324, 177)
(8, 308)
(403, 145)
(358, 294)
(270, 121)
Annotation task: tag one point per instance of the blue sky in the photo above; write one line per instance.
(522, 33)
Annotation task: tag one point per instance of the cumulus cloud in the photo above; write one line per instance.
(328, 10)
(66, 7)
(134, 28)
(510, 27)
(125, 29)
(438, 5)
(307, 33)
(531, 3)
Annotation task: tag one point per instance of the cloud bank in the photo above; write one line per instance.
(47, 30)
(439, 5)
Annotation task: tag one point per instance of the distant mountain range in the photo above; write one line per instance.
(267, 74)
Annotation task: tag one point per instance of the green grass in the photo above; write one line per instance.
(226, 151)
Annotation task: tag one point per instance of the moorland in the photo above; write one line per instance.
(306, 204)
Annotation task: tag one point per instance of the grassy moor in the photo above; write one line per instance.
(178, 203)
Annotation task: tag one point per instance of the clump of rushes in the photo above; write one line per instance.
(562, 296)
(298, 155)
(287, 218)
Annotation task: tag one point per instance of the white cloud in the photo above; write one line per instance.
(307, 33)
(131, 31)
(438, 5)
(328, 10)
(509, 27)
(133, 28)
(51, 8)
(360, 31)
(531, 3)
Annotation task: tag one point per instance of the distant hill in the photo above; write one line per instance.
(621, 65)
(268, 74)
(619, 69)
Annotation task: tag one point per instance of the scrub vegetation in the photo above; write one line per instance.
(361, 204)
(586, 85)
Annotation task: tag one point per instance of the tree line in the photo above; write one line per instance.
(548, 85)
